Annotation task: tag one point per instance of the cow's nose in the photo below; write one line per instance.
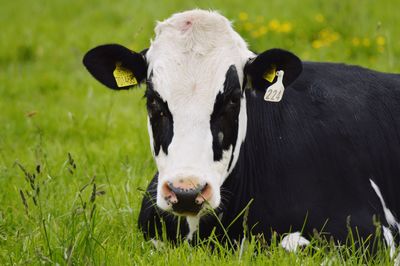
(186, 195)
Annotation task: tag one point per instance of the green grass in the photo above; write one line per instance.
(50, 108)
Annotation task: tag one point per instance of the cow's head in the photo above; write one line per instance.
(196, 71)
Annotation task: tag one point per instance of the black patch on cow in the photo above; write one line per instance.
(225, 116)
(161, 120)
(273, 59)
(101, 62)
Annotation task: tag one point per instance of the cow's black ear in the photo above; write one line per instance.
(115, 66)
(261, 70)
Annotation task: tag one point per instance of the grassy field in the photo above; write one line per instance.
(74, 156)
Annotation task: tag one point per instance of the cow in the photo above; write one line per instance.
(267, 140)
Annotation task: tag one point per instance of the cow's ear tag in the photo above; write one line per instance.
(274, 92)
(123, 76)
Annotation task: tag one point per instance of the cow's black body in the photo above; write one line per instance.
(307, 161)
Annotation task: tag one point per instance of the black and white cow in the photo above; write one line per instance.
(324, 157)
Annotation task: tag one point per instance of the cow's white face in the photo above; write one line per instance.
(196, 105)
(195, 70)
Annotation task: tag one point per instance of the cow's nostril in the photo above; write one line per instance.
(204, 195)
(169, 195)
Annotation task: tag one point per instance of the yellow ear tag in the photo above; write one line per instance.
(123, 76)
(270, 74)
(275, 92)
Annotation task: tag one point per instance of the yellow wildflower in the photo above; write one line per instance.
(286, 27)
(243, 16)
(274, 25)
(380, 41)
(327, 36)
(319, 18)
(316, 44)
(333, 36)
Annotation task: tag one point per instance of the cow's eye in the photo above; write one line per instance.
(157, 109)
(234, 101)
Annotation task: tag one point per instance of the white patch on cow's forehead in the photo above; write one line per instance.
(197, 31)
(190, 55)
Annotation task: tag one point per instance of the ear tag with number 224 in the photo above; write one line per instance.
(274, 92)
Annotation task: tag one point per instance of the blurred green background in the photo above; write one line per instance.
(51, 107)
